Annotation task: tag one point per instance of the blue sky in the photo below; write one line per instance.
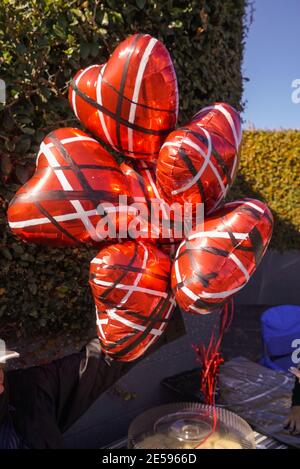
(272, 62)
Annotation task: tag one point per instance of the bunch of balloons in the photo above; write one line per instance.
(129, 107)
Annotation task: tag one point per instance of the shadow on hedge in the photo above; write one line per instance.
(284, 232)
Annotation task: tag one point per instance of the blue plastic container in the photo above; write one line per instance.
(280, 328)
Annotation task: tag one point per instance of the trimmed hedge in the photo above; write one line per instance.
(43, 43)
(270, 171)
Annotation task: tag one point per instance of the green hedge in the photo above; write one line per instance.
(43, 43)
(270, 170)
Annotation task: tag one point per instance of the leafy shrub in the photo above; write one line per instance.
(43, 43)
(269, 170)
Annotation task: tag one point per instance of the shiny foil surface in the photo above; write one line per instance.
(214, 264)
(58, 205)
(130, 285)
(157, 222)
(198, 162)
(131, 102)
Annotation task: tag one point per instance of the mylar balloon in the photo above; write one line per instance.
(59, 205)
(130, 284)
(131, 102)
(157, 222)
(213, 264)
(198, 162)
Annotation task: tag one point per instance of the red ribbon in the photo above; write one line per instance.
(210, 356)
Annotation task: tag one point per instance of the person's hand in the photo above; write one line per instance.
(293, 421)
(295, 372)
(1, 380)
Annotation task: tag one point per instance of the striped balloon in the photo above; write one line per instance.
(58, 205)
(215, 262)
(130, 285)
(131, 102)
(157, 223)
(198, 162)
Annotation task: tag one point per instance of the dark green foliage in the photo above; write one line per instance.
(42, 45)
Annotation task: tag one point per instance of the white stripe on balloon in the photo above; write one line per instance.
(137, 86)
(77, 83)
(99, 101)
(67, 187)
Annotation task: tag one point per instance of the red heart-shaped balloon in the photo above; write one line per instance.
(58, 205)
(198, 162)
(157, 223)
(214, 263)
(130, 284)
(131, 102)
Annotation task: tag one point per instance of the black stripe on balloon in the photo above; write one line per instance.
(199, 303)
(182, 153)
(169, 111)
(55, 223)
(138, 270)
(81, 166)
(257, 244)
(183, 252)
(235, 242)
(111, 114)
(217, 156)
(141, 336)
(208, 249)
(73, 166)
(204, 279)
(215, 251)
(142, 318)
(130, 51)
(153, 318)
(95, 195)
(119, 342)
(251, 211)
(124, 339)
(255, 238)
(96, 166)
(123, 274)
(268, 217)
(240, 247)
